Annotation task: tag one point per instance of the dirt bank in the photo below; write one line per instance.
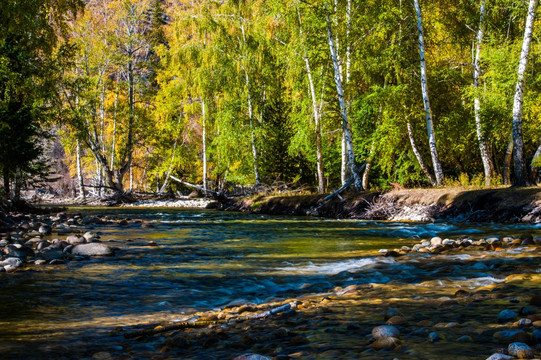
(424, 205)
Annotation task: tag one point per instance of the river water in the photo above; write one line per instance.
(206, 260)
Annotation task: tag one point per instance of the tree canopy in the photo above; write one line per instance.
(229, 93)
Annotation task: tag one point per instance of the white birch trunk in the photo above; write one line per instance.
(483, 146)
(204, 120)
(521, 177)
(317, 115)
(343, 110)
(80, 179)
(252, 132)
(424, 87)
(112, 165)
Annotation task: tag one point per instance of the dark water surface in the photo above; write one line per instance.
(204, 260)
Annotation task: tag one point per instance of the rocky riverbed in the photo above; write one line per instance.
(496, 315)
(27, 239)
(467, 297)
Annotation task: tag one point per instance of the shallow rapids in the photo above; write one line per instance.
(207, 260)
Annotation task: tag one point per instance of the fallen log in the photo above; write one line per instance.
(215, 194)
(336, 193)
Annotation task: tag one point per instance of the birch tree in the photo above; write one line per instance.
(426, 100)
(521, 175)
(357, 181)
(488, 166)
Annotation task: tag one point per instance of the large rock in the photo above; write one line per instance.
(92, 249)
(52, 254)
(385, 331)
(520, 350)
(21, 252)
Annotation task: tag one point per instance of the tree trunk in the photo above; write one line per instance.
(521, 174)
(343, 111)
(483, 146)
(80, 179)
(535, 165)
(368, 167)
(6, 182)
(424, 87)
(317, 114)
(507, 163)
(113, 145)
(252, 132)
(204, 120)
(419, 157)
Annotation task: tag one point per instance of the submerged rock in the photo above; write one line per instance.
(506, 316)
(92, 249)
(388, 343)
(252, 357)
(385, 331)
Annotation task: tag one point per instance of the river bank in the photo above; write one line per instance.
(504, 205)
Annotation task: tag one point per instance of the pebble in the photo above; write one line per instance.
(434, 337)
(397, 320)
(520, 350)
(506, 316)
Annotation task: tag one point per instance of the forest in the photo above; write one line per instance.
(246, 93)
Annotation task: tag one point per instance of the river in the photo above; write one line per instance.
(206, 260)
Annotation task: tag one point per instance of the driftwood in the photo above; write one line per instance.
(197, 324)
(336, 193)
(215, 194)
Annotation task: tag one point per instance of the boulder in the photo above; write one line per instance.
(52, 254)
(520, 350)
(92, 249)
(385, 331)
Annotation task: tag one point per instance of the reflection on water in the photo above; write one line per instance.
(205, 260)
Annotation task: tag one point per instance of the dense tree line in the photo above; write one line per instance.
(263, 92)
